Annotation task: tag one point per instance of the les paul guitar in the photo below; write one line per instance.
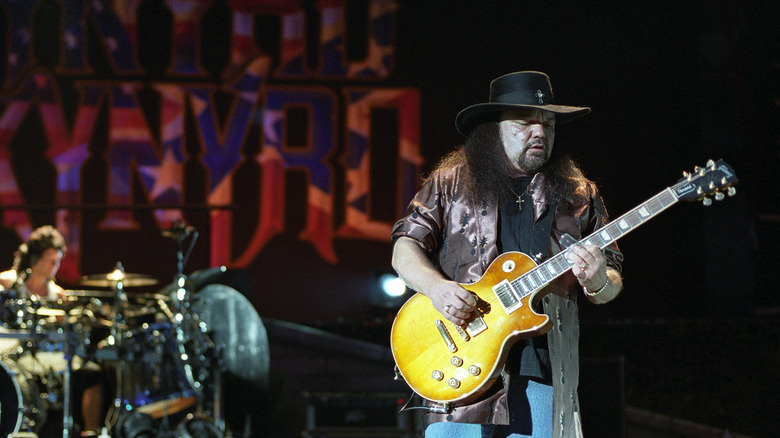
(452, 365)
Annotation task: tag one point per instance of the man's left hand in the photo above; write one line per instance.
(589, 265)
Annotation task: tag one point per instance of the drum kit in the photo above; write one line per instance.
(163, 362)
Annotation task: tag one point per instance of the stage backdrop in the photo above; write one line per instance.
(292, 134)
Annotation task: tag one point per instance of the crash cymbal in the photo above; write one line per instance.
(112, 278)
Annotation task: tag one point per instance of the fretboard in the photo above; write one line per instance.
(557, 265)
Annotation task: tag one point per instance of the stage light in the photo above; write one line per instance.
(388, 292)
(392, 285)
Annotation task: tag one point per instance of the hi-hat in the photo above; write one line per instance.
(113, 278)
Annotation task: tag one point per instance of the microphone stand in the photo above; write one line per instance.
(181, 302)
(186, 322)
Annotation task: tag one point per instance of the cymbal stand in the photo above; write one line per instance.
(116, 340)
(67, 414)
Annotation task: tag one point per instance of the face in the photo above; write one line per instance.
(47, 264)
(527, 136)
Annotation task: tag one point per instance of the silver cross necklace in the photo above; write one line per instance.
(520, 199)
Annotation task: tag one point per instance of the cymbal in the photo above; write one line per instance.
(112, 278)
(45, 311)
(73, 295)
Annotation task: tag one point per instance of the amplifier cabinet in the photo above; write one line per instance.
(352, 414)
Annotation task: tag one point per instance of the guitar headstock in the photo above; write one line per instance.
(706, 182)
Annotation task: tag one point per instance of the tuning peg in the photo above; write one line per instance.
(731, 191)
(686, 174)
(710, 164)
(719, 196)
(706, 201)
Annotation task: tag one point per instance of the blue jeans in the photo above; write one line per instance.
(530, 413)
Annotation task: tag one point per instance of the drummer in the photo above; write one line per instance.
(35, 266)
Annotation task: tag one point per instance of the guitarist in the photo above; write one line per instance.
(504, 190)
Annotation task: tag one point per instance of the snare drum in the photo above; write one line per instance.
(21, 407)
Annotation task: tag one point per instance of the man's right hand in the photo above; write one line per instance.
(417, 271)
(452, 301)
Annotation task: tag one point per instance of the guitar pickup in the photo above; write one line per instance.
(476, 326)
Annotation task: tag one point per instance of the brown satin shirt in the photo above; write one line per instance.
(461, 239)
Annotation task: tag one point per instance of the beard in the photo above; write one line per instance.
(531, 161)
(489, 177)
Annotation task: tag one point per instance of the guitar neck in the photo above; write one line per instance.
(557, 265)
(621, 226)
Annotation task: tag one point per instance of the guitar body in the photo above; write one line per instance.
(420, 335)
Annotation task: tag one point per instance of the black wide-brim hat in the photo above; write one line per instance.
(524, 89)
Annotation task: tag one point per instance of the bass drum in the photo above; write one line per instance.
(21, 407)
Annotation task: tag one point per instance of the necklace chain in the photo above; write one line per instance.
(520, 199)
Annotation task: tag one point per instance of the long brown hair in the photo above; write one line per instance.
(487, 171)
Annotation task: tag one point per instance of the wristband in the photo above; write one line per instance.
(590, 293)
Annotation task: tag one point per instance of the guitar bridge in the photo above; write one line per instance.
(463, 334)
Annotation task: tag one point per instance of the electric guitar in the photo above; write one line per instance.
(451, 364)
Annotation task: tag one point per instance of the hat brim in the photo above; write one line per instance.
(473, 115)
